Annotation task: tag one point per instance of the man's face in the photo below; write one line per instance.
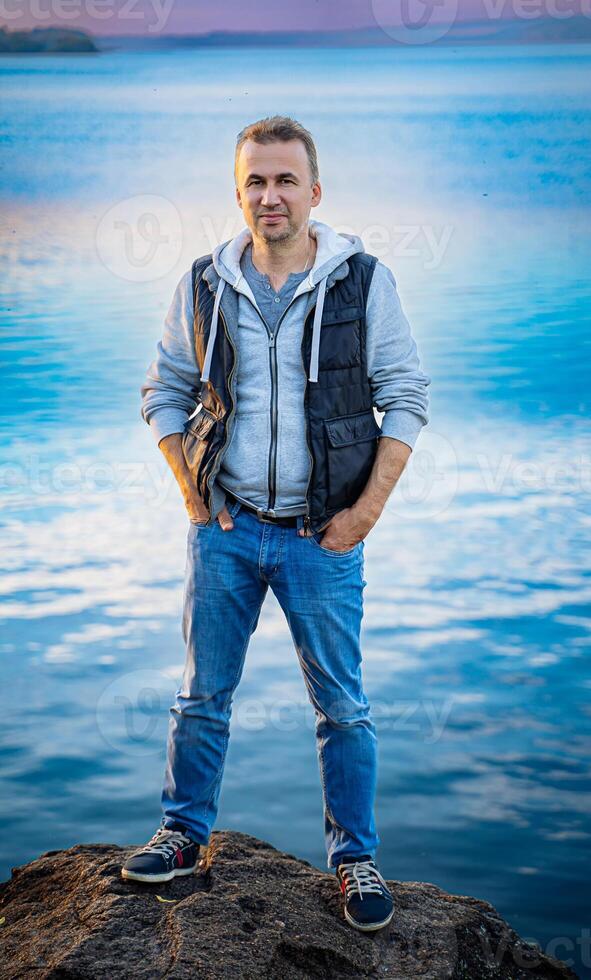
(274, 189)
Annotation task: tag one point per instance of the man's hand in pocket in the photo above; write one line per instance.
(197, 511)
(172, 450)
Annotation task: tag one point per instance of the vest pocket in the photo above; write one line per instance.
(198, 439)
(351, 446)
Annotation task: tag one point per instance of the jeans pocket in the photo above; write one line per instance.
(315, 540)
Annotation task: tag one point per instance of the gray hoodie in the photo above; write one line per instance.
(170, 390)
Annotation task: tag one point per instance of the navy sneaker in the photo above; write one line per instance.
(368, 901)
(168, 854)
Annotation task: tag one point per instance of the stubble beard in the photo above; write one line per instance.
(270, 235)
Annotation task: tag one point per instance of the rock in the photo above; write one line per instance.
(251, 912)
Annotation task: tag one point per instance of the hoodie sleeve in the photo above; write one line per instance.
(398, 384)
(170, 390)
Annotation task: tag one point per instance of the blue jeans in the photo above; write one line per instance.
(321, 593)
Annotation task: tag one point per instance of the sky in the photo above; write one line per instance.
(152, 17)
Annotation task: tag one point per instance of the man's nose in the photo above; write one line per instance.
(270, 197)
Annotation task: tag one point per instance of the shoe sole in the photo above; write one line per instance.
(167, 876)
(366, 927)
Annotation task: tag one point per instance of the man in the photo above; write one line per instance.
(286, 336)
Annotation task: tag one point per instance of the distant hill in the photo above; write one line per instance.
(45, 39)
(544, 30)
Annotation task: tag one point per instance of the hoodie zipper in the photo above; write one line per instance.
(274, 412)
(272, 468)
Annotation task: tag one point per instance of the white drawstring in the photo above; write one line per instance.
(315, 351)
(212, 331)
(314, 355)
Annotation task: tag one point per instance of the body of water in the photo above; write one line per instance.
(466, 171)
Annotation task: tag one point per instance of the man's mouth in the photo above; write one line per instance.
(272, 218)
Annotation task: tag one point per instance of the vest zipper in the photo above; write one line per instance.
(218, 460)
(272, 472)
(307, 524)
(307, 521)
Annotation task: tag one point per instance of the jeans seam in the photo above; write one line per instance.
(227, 735)
(323, 779)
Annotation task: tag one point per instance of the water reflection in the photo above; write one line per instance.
(477, 614)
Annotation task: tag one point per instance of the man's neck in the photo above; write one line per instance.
(278, 260)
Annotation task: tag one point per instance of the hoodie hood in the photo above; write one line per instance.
(333, 248)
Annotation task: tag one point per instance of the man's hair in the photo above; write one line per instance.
(278, 129)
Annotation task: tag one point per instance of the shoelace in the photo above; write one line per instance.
(362, 876)
(166, 841)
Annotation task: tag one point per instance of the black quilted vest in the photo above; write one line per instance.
(341, 428)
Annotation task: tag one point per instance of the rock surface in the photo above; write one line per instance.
(251, 912)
